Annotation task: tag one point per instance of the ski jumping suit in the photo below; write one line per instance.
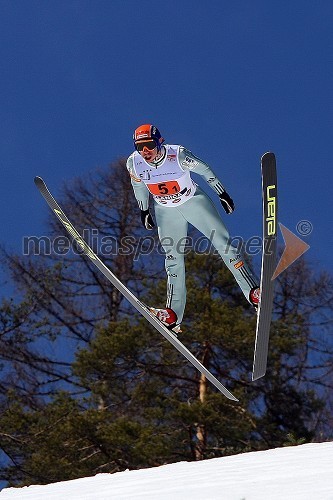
(177, 202)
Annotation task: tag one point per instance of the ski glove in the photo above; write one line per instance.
(227, 203)
(147, 220)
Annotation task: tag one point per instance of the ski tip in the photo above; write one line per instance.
(268, 154)
(38, 180)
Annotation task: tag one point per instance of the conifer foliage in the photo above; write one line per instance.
(87, 386)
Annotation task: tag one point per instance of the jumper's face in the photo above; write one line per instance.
(147, 149)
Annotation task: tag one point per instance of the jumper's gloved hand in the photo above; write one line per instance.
(227, 203)
(147, 220)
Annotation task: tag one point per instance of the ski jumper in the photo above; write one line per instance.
(177, 202)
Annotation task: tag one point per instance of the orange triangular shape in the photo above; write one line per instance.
(295, 247)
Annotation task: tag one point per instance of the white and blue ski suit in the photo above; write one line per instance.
(177, 202)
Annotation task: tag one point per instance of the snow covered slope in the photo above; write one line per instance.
(301, 472)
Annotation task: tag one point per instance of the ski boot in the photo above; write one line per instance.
(254, 297)
(167, 317)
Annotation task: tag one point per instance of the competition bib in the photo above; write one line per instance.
(168, 183)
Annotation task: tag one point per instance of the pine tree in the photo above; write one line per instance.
(123, 397)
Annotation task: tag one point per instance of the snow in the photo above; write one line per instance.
(298, 472)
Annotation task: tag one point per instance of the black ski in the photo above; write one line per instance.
(139, 306)
(268, 263)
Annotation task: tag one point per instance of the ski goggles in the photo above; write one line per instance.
(146, 144)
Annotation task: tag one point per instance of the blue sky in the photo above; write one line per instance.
(228, 80)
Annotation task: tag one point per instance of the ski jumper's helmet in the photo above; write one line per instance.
(148, 132)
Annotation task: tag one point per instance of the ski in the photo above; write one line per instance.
(268, 263)
(139, 306)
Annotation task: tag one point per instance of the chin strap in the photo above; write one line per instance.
(160, 155)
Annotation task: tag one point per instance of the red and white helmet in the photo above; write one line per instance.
(147, 132)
